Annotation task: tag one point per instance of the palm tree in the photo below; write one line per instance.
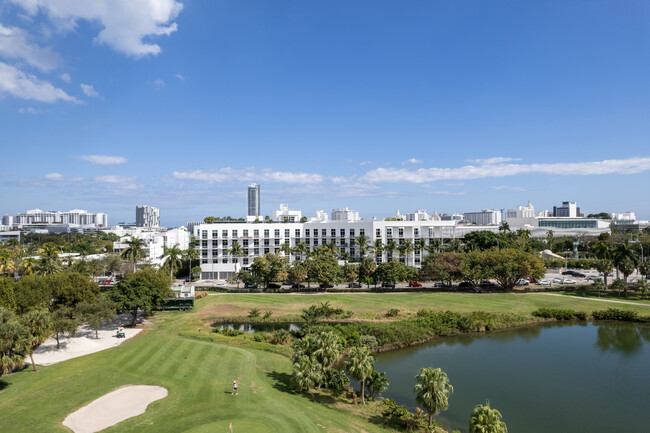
(134, 251)
(286, 249)
(28, 264)
(390, 247)
(236, 250)
(328, 351)
(420, 245)
(601, 250)
(549, 239)
(432, 390)
(434, 245)
(406, 248)
(191, 253)
(362, 241)
(378, 248)
(305, 372)
(39, 326)
(300, 249)
(486, 420)
(359, 366)
(625, 258)
(173, 255)
(504, 227)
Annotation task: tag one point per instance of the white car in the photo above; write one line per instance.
(558, 280)
(523, 282)
(568, 281)
(544, 283)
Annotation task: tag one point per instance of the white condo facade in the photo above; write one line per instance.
(257, 239)
(75, 216)
(154, 240)
(147, 216)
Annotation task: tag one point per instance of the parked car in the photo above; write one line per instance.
(439, 285)
(579, 275)
(486, 283)
(250, 286)
(532, 281)
(415, 284)
(593, 277)
(568, 281)
(567, 273)
(297, 286)
(522, 282)
(558, 280)
(275, 286)
(544, 282)
(465, 285)
(354, 285)
(388, 284)
(326, 286)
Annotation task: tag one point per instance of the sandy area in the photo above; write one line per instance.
(83, 343)
(114, 407)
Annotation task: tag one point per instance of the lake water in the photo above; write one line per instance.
(588, 377)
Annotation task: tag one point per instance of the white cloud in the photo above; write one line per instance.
(492, 169)
(180, 77)
(228, 174)
(54, 176)
(104, 159)
(125, 22)
(494, 160)
(511, 188)
(14, 44)
(119, 182)
(27, 86)
(89, 90)
(448, 193)
(365, 162)
(65, 77)
(412, 161)
(27, 110)
(159, 83)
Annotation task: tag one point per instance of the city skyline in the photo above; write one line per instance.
(372, 106)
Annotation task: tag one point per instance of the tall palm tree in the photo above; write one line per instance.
(191, 253)
(39, 327)
(434, 245)
(486, 420)
(420, 245)
(432, 390)
(378, 248)
(173, 255)
(625, 256)
(27, 265)
(7, 262)
(236, 250)
(359, 366)
(601, 250)
(549, 239)
(134, 251)
(286, 249)
(504, 227)
(300, 249)
(362, 241)
(406, 248)
(390, 247)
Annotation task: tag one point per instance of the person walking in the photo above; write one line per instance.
(234, 385)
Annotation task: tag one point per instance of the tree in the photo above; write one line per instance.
(509, 266)
(191, 254)
(606, 266)
(96, 313)
(14, 342)
(301, 249)
(173, 260)
(391, 272)
(367, 270)
(268, 268)
(286, 249)
(406, 248)
(350, 272)
(441, 267)
(143, 290)
(377, 248)
(644, 268)
(362, 241)
(70, 288)
(297, 273)
(376, 383)
(432, 390)
(504, 227)
(39, 327)
(63, 322)
(486, 420)
(390, 247)
(236, 250)
(359, 366)
(324, 269)
(641, 287)
(327, 351)
(305, 372)
(598, 285)
(623, 254)
(134, 251)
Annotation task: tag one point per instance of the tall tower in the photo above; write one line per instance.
(253, 200)
(147, 216)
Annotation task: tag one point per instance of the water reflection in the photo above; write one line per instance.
(249, 328)
(622, 338)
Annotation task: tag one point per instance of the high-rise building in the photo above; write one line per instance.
(486, 217)
(253, 200)
(147, 216)
(345, 214)
(569, 209)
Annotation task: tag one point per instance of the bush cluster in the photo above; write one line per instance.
(618, 314)
(229, 332)
(559, 314)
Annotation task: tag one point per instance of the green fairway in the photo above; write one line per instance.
(372, 305)
(198, 376)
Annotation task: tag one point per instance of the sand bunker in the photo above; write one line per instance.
(83, 343)
(114, 407)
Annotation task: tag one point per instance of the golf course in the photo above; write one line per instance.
(197, 367)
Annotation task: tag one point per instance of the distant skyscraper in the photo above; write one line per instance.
(253, 200)
(147, 216)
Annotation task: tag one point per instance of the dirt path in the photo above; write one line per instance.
(594, 299)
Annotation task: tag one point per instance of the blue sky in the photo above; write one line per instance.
(374, 105)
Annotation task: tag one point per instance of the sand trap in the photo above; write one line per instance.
(114, 407)
(82, 344)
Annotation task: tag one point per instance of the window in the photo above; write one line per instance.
(277, 242)
(378, 233)
(287, 233)
(204, 234)
(246, 251)
(266, 242)
(342, 233)
(224, 243)
(245, 242)
(333, 233)
(362, 232)
(323, 232)
(416, 232)
(401, 232)
(204, 260)
(245, 233)
(224, 260)
(215, 244)
(213, 261)
(266, 233)
(351, 233)
(204, 243)
(307, 242)
(234, 233)
(307, 233)
(256, 251)
(430, 232)
(256, 233)
(204, 253)
(315, 242)
(224, 233)
(215, 253)
(245, 261)
(389, 232)
(215, 233)
(266, 250)
(315, 233)
(256, 242)
(352, 252)
(297, 233)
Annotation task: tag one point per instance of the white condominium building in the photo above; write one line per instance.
(147, 216)
(75, 216)
(345, 214)
(486, 217)
(256, 239)
(154, 241)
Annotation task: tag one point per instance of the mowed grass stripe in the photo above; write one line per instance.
(174, 365)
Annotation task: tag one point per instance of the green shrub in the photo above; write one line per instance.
(559, 314)
(617, 314)
(259, 337)
(280, 336)
(229, 332)
(393, 312)
(369, 340)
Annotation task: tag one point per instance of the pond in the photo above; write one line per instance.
(587, 377)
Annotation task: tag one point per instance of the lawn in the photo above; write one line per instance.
(374, 305)
(198, 373)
